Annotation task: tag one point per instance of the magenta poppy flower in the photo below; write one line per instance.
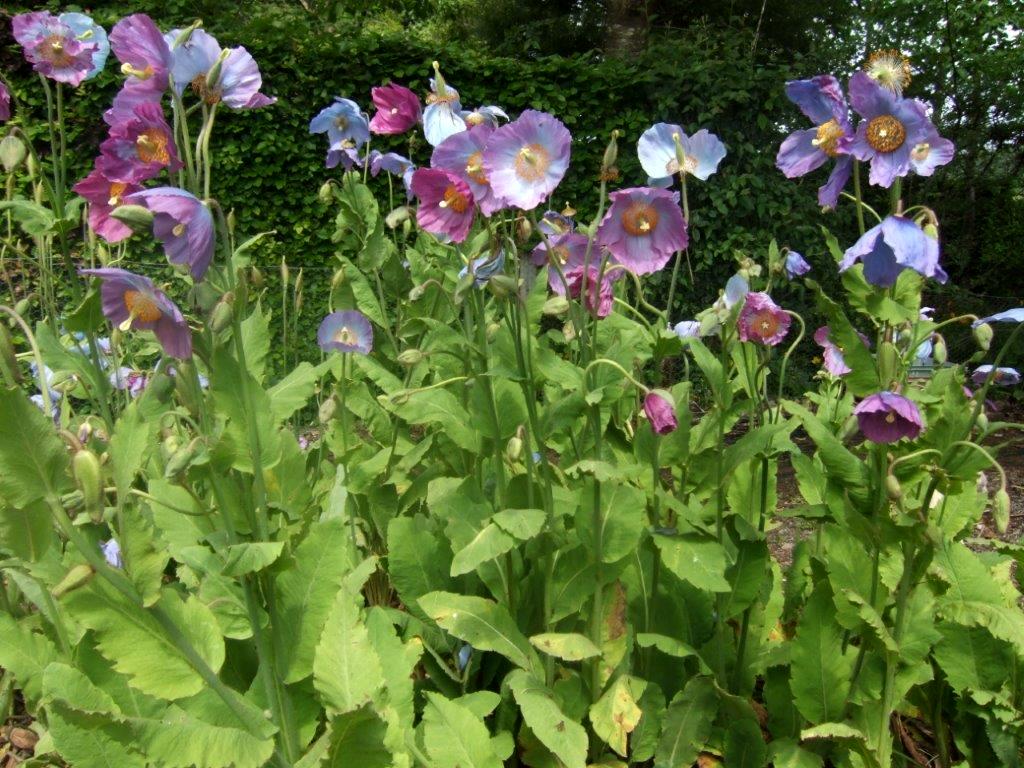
(446, 203)
(526, 159)
(660, 411)
(582, 280)
(832, 355)
(643, 228)
(145, 59)
(182, 223)
(103, 196)
(885, 417)
(52, 48)
(762, 320)
(463, 153)
(892, 246)
(132, 301)
(5, 103)
(568, 250)
(820, 99)
(140, 145)
(892, 127)
(398, 109)
(347, 331)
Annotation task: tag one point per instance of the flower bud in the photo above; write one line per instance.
(931, 230)
(410, 357)
(12, 152)
(514, 448)
(492, 330)
(611, 152)
(326, 193)
(186, 34)
(256, 277)
(22, 307)
(569, 331)
(1001, 510)
(8, 358)
(169, 446)
(888, 363)
(284, 272)
(160, 387)
(983, 421)
(523, 229)
(298, 292)
(892, 487)
(76, 577)
(398, 216)
(939, 351)
(84, 431)
(337, 279)
(983, 336)
(182, 458)
(135, 216)
(213, 76)
(221, 316)
(556, 305)
(416, 292)
(503, 285)
(30, 166)
(230, 220)
(328, 408)
(89, 478)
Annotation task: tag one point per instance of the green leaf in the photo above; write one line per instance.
(346, 669)
(483, 624)
(26, 532)
(357, 739)
(293, 391)
(129, 447)
(568, 646)
(670, 646)
(616, 714)
(623, 519)
(256, 340)
(787, 753)
(251, 557)
(701, 562)
(832, 731)
(490, 543)
(418, 560)
(139, 647)
(25, 654)
(440, 407)
(1003, 623)
(87, 316)
(523, 524)
(33, 461)
(454, 737)
(144, 557)
(35, 219)
(687, 724)
(744, 744)
(565, 738)
(306, 591)
(820, 672)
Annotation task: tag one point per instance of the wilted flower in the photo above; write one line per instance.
(228, 75)
(484, 268)
(441, 118)
(661, 411)
(526, 159)
(132, 381)
(347, 157)
(343, 123)
(885, 417)
(762, 320)
(488, 115)
(182, 223)
(1004, 377)
(687, 329)
(112, 553)
(347, 331)
(890, 69)
(892, 246)
(795, 265)
(820, 99)
(140, 144)
(832, 355)
(446, 203)
(5, 103)
(659, 157)
(555, 223)
(51, 46)
(132, 301)
(643, 228)
(892, 127)
(145, 59)
(103, 196)
(396, 165)
(398, 109)
(463, 153)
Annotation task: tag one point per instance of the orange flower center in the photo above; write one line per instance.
(117, 189)
(886, 133)
(532, 162)
(561, 253)
(475, 168)
(52, 49)
(828, 137)
(640, 219)
(474, 118)
(766, 324)
(142, 306)
(151, 146)
(454, 199)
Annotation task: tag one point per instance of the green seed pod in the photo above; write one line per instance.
(939, 351)
(1001, 510)
(569, 331)
(8, 358)
(222, 314)
(256, 277)
(983, 336)
(31, 166)
(298, 292)
(556, 305)
(328, 409)
(138, 217)
(410, 357)
(76, 577)
(503, 286)
(22, 307)
(89, 477)
(12, 152)
(892, 487)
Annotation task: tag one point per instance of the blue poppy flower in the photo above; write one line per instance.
(485, 268)
(442, 117)
(1015, 315)
(659, 157)
(796, 265)
(344, 124)
(892, 246)
(88, 31)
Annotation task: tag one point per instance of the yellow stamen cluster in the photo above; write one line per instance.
(475, 167)
(140, 306)
(890, 69)
(345, 335)
(454, 200)
(532, 162)
(117, 189)
(886, 133)
(828, 136)
(151, 146)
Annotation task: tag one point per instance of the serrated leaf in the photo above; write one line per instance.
(251, 557)
(33, 461)
(357, 739)
(454, 737)
(565, 738)
(144, 558)
(483, 624)
(418, 560)
(701, 562)
(786, 753)
(440, 407)
(129, 447)
(293, 391)
(820, 672)
(832, 731)
(523, 524)
(25, 655)
(26, 532)
(346, 668)
(687, 724)
(256, 340)
(568, 646)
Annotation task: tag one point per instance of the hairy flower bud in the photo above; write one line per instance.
(1001, 510)
(410, 357)
(221, 316)
(256, 277)
(160, 386)
(326, 192)
(416, 292)
(523, 229)
(135, 216)
(503, 285)
(514, 448)
(182, 458)
(298, 292)
(939, 350)
(556, 305)
(892, 487)
(76, 577)
(22, 307)
(611, 152)
(89, 478)
(983, 336)
(398, 216)
(284, 273)
(12, 152)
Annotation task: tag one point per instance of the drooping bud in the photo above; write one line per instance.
(337, 279)
(22, 307)
(138, 217)
(84, 431)
(556, 305)
(76, 577)
(89, 478)
(888, 363)
(416, 292)
(983, 336)
(12, 152)
(222, 314)
(1001, 510)
(892, 487)
(514, 448)
(492, 330)
(523, 229)
(231, 220)
(160, 386)
(169, 446)
(213, 76)
(569, 331)
(327, 410)
(410, 357)
(325, 193)
(182, 458)
(939, 350)
(256, 277)
(503, 285)
(398, 216)
(8, 358)
(982, 421)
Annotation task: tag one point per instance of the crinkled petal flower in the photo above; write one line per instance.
(88, 31)
(1015, 315)
(886, 417)
(346, 331)
(643, 228)
(52, 48)
(446, 203)
(762, 320)
(892, 246)
(398, 109)
(103, 196)
(526, 160)
(463, 153)
(183, 224)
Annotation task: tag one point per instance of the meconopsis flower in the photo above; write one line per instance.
(484, 268)
(643, 228)
(526, 159)
(442, 116)
(795, 265)
(182, 223)
(886, 417)
(346, 331)
(566, 251)
(762, 320)
(145, 59)
(132, 301)
(489, 115)
(892, 246)
(5, 103)
(931, 153)
(140, 144)
(1015, 315)
(661, 411)
(446, 203)
(112, 553)
(346, 127)
(396, 165)
(554, 223)
(659, 155)
(463, 153)
(832, 355)
(53, 49)
(228, 75)
(1003, 377)
(890, 69)
(592, 283)
(687, 329)
(398, 109)
(88, 31)
(103, 196)
(891, 129)
(821, 99)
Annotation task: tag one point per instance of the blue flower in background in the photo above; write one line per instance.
(659, 157)
(796, 265)
(485, 268)
(88, 31)
(344, 124)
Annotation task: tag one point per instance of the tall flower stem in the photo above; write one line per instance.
(675, 264)
(858, 196)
